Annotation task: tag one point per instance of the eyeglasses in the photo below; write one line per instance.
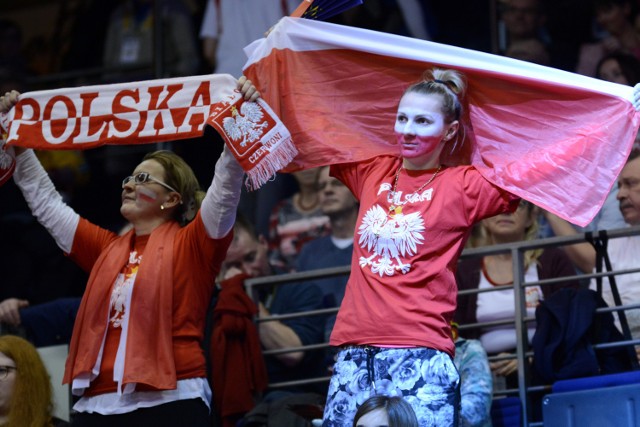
(143, 177)
(4, 371)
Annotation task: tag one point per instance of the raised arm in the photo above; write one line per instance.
(39, 192)
(583, 255)
(219, 206)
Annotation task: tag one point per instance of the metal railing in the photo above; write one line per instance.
(523, 351)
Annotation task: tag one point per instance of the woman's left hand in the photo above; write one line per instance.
(247, 89)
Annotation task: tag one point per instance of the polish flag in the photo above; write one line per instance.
(552, 137)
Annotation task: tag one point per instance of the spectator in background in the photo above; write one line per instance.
(130, 41)
(296, 220)
(616, 19)
(623, 252)
(475, 381)
(248, 254)
(618, 67)
(229, 25)
(495, 271)
(522, 20)
(524, 33)
(26, 397)
(337, 202)
(530, 50)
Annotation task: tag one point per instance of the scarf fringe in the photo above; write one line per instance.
(276, 159)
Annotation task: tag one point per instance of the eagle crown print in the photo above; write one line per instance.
(244, 125)
(392, 235)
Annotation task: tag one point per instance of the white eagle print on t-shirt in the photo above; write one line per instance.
(390, 235)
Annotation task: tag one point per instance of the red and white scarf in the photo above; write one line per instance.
(555, 138)
(149, 112)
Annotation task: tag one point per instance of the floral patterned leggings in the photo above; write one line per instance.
(426, 378)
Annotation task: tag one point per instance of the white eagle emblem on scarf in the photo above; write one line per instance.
(389, 237)
(244, 126)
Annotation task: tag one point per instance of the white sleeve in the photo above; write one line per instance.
(44, 201)
(414, 18)
(218, 210)
(209, 28)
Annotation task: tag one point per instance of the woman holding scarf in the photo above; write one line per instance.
(135, 356)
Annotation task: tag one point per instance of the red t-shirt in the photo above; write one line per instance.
(402, 290)
(196, 263)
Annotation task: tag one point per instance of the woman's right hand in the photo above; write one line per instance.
(8, 100)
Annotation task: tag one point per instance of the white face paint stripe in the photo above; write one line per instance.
(146, 194)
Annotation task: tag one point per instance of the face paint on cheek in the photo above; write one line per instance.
(146, 195)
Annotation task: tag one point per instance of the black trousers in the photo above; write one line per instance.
(192, 413)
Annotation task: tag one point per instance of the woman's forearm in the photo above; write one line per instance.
(43, 199)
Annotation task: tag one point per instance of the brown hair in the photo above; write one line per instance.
(31, 402)
(450, 84)
(399, 411)
(180, 176)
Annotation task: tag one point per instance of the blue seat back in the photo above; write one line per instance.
(601, 407)
(506, 412)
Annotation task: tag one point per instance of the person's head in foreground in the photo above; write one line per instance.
(25, 388)
(385, 411)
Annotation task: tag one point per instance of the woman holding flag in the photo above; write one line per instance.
(415, 216)
(135, 355)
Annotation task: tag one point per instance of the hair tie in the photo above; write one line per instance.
(440, 81)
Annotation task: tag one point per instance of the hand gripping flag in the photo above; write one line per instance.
(148, 112)
(323, 9)
(554, 138)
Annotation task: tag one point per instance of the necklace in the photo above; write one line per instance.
(398, 209)
(489, 279)
(308, 207)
